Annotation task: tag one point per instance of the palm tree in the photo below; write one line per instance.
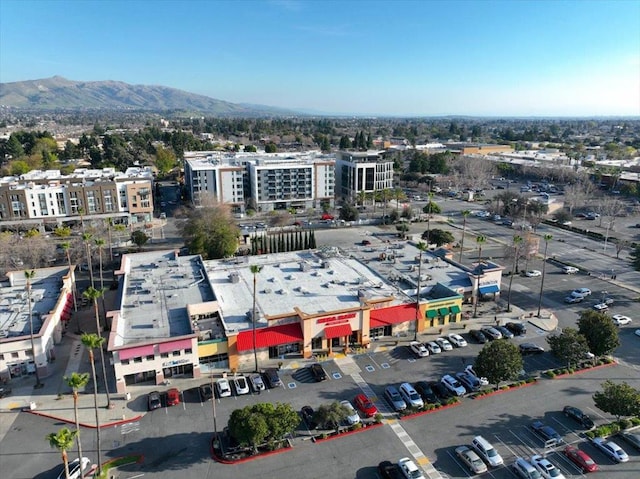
(464, 214)
(109, 226)
(517, 240)
(422, 247)
(430, 208)
(255, 269)
(77, 381)
(546, 238)
(91, 342)
(86, 238)
(100, 243)
(81, 214)
(66, 247)
(63, 441)
(93, 294)
(480, 240)
(29, 275)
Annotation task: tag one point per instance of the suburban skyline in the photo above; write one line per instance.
(476, 58)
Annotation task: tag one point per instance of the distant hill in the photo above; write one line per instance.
(58, 93)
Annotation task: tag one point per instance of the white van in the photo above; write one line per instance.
(487, 451)
(410, 395)
(525, 469)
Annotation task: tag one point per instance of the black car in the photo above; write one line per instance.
(307, 413)
(478, 336)
(531, 348)
(389, 470)
(206, 392)
(518, 329)
(153, 400)
(318, 372)
(272, 377)
(578, 416)
(506, 333)
(440, 390)
(424, 389)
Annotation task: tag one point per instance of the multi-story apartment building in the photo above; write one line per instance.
(362, 172)
(49, 197)
(268, 181)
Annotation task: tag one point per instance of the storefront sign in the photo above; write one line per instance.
(490, 282)
(343, 318)
(177, 362)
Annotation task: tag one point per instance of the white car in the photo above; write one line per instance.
(223, 388)
(444, 344)
(457, 340)
(353, 417)
(74, 468)
(453, 385)
(471, 460)
(570, 270)
(601, 307)
(611, 449)
(620, 320)
(573, 298)
(433, 347)
(419, 349)
(483, 381)
(534, 273)
(409, 469)
(241, 385)
(547, 470)
(584, 292)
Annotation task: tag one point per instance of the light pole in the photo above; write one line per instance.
(421, 247)
(606, 236)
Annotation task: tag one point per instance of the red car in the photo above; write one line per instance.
(580, 459)
(327, 216)
(365, 406)
(173, 397)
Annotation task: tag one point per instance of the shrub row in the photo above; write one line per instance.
(428, 407)
(552, 373)
(504, 387)
(613, 427)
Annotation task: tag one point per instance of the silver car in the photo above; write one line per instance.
(353, 417)
(395, 399)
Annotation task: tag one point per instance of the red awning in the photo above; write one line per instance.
(394, 315)
(138, 352)
(273, 336)
(339, 331)
(66, 315)
(174, 346)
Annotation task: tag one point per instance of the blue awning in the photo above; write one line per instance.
(493, 288)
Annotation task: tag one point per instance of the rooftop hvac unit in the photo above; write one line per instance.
(304, 266)
(234, 277)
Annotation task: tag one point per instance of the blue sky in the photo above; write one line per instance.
(511, 58)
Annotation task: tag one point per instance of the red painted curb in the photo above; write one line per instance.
(599, 366)
(217, 458)
(347, 433)
(89, 426)
(422, 413)
(500, 391)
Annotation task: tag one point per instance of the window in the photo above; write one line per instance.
(137, 360)
(188, 351)
(124, 362)
(1, 357)
(150, 357)
(15, 355)
(176, 353)
(164, 355)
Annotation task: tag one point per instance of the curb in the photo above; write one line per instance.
(430, 411)
(348, 433)
(599, 366)
(88, 426)
(219, 459)
(501, 391)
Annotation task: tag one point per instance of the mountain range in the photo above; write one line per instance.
(58, 93)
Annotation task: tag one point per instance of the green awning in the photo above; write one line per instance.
(443, 311)
(432, 313)
(455, 309)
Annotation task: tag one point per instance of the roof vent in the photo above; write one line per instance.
(234, 277)
(304, 266)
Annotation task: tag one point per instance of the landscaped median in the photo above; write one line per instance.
(356, 428)
(428, 408)
(492, 391)
(563, 372)
(119, 462)
(238, 455)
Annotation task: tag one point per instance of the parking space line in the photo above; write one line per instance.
(597, 413)
(373, 360)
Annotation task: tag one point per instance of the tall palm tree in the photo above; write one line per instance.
(480, 240)
(77, 381)
(29, 275)
(517, 241)
(464, 214)
(422, 247)
(91, 342)
(430, 208)
(109, 227)
(66, 247)
(93, 294)
(546, 238)
(86, 238)
(255, 269)
(63, 441)
(100, 243)
(81, 214)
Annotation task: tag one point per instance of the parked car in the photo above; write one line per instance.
(272, 377)
(418, 349)
(580, 459)
(394, 398)
(223, 388)
(530, 348)
(457, 340)
(483, 381)
(583, 291)
(486, 451)
(637, 332)
(471, 460)
(573, 298)
(352, 417)
(410, 395)
(491, 332)
(633, 438)
(518, 329)
(533, 273)
(307, 414)
(601, 307)
(153, 401)
(76, 468)
(570, 270)
(620, 319)
(546, 469)
(525, 469)
(206, 392)
(365, 406)
(545, 432)
(433, 347)
(425, 391)
(578, 416)
(453, 385)
(478, 336)
(318, 372)
(506, 333)
(441, 390)
(389, 470)
(444, 344)
(257, 384)
(611, 449)
(241, 385)
(469, 381)
(409, 469)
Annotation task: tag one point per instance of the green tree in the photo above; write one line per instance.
(255, 269)
(76, 382)
(499, 361)
(211, 232)
(546, 238)
(331, 415)
(619, 399)
(348, 212)
(429, 209)
(63, 441)
(139, 238)
(440, 237)
(93, 294)
(600, 332)
(62, 232)
(569, 346)
(402, 229)
(165, 160)
(480, 240)
(270, 148)
(91, 342)
(247, 428)
(465, 214)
